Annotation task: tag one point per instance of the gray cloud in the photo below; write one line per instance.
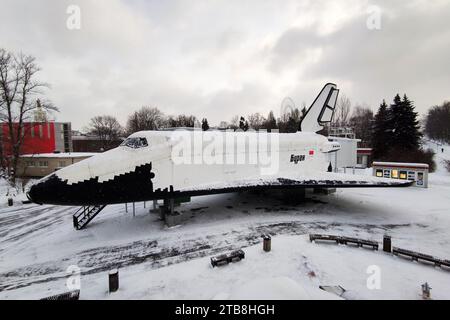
(217, 59)
(408, 55)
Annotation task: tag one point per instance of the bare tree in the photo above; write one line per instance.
(223, 124)
(437, 122)
(342, 112)
(146, 118)
(234, 122)
(182, 120)
(256, 120)
(107, 129)
(18, 91)
(361, 121)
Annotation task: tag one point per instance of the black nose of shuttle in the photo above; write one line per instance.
(43, 192)
(129, 187)
(33, 195)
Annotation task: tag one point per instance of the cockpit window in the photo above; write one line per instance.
(135, 143)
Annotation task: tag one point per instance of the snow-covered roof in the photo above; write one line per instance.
(342, 139)
(60, 155)
(90, 138)
(401, 164)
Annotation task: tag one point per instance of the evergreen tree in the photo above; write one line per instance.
(381, 132)
(292, 125)
(205, 125)
(271, 122)
(404, 124)
(303, 113)
(293, 122)
(396, 132)
(243, 124)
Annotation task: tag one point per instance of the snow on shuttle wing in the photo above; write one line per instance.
(313, 180)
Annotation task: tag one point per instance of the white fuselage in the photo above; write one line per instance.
(153, 165)
(186, 159)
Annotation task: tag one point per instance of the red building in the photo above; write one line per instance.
(40, 137)
(364, 157)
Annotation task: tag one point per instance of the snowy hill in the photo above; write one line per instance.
(441, 171)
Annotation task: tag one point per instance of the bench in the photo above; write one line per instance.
(227, 258)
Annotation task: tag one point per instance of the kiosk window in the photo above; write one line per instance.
(394, 174)
(403, 175)
(411, 175)
(379, 173)
(387, 173)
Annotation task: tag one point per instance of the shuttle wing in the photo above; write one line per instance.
(317, 180)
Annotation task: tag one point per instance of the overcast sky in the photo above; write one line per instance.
(217, 58)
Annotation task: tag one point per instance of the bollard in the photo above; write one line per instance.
(387, 244)
(426, 291)
(113, 280)
(10, 202)
(267, 245)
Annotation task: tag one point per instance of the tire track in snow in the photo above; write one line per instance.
(162, 252)
(30, 222)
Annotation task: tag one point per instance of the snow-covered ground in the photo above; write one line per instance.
(38, 244)
(16, 193)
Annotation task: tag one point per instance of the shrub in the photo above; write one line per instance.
(414, 156)
(447, 165)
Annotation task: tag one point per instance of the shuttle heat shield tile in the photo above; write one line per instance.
(128, 187)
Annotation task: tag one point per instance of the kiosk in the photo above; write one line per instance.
(417, 172)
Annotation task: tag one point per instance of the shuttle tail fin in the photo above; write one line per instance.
(321, 110)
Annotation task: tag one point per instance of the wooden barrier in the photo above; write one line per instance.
(359, 242)
(417, 256)
(344, 240)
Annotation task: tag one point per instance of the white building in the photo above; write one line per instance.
(346, 157)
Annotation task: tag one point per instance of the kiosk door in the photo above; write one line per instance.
(419, 179)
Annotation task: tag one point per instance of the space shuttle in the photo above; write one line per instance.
(155, 165)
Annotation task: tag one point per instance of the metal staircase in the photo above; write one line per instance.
(84, 215)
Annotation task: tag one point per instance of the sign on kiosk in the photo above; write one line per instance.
(417, 172)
